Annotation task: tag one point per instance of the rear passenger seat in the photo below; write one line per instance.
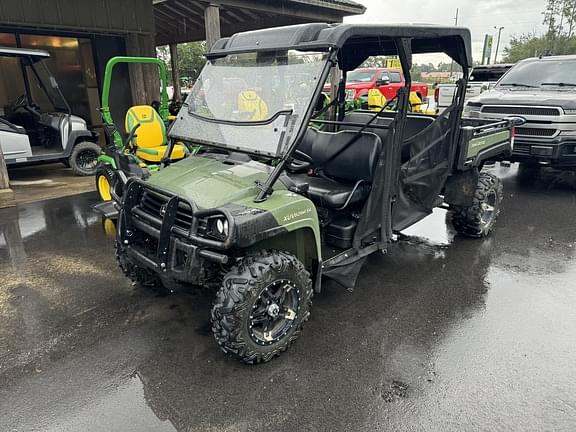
(414, 125)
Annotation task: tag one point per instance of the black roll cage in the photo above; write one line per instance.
(404, 51)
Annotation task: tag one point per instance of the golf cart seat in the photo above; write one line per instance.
(345, 180)
(150, 138)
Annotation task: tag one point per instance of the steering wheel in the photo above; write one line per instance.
(303, 163)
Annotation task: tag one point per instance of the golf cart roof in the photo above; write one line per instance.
(35, 55)
(355, 41)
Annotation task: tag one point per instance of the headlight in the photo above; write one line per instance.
(215, 227)
(472, 109)
(222, 227)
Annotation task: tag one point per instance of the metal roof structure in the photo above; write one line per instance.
(184, 20)
(23, 52)
(356, 41)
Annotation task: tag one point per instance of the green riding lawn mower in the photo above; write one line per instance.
(140, 153)
(279, 200)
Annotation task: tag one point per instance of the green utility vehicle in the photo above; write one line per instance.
(271, 205)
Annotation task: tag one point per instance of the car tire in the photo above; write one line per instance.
(84, 158)
(479, 219)
(104, 182)
(262, 306)
(140, 276)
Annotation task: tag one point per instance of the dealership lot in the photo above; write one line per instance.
(443, 333)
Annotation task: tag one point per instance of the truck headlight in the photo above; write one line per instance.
(472, 109)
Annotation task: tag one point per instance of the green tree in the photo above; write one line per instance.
(191, 59)
(560, 37)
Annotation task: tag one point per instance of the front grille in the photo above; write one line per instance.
(521, 149)
(152, 203)
(521, 110)
(536, 132)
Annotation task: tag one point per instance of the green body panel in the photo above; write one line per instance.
(210, 183)
(105, 159)
(476, 145)
(105, 105)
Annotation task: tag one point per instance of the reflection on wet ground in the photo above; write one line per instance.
(442, 334)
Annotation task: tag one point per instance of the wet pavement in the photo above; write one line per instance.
(441, 334)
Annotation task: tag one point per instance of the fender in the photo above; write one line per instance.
(75, 135)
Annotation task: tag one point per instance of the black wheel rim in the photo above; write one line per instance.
(87, 160)
(274, 312)
(489, 209)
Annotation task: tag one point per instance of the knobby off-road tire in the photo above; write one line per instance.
(261, 286)
(479, 219)
(141, 276)
(83, 159)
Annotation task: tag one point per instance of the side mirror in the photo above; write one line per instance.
(383, 81)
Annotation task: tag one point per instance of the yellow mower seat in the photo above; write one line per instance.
(150, 140)
(250, 103)
(376, 100)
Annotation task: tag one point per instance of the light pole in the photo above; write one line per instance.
(498, 43)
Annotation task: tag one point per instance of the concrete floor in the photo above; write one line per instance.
(47, 181)
(442, 334)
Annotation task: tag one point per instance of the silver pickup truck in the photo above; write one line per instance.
(543, 91)
(482, 78)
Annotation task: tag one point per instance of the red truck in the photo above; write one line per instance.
(359, 81)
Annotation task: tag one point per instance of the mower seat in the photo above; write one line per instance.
(150, 139)
(346, 179)
(252, 105)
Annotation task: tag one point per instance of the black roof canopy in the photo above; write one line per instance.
(355, 41)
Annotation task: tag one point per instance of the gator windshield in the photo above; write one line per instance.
(253, 102)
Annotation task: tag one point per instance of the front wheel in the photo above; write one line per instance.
(479, 219)
(84, 158)
(262, 306)
(104, 182)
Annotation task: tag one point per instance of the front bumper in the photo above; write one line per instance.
(558, 152)
(165, 238)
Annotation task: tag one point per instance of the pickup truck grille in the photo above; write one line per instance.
(522, 110)
(536, 132)
(521, 149)
(152, 202)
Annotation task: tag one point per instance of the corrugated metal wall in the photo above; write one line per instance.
(102, 16)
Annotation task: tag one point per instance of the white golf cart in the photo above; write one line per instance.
(31, 134)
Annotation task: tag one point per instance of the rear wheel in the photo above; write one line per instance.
(479, 219)
(104, 181)
(261, 307)
(84, 158)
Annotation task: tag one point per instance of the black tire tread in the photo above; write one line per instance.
(239, 289)
(138, 275)
(84, 145)
(467, 220)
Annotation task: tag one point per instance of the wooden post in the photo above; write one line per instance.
(212, 24)
(175, 72)
(6, 194)
(137, 84)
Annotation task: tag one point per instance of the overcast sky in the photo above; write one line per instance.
(480, 16)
